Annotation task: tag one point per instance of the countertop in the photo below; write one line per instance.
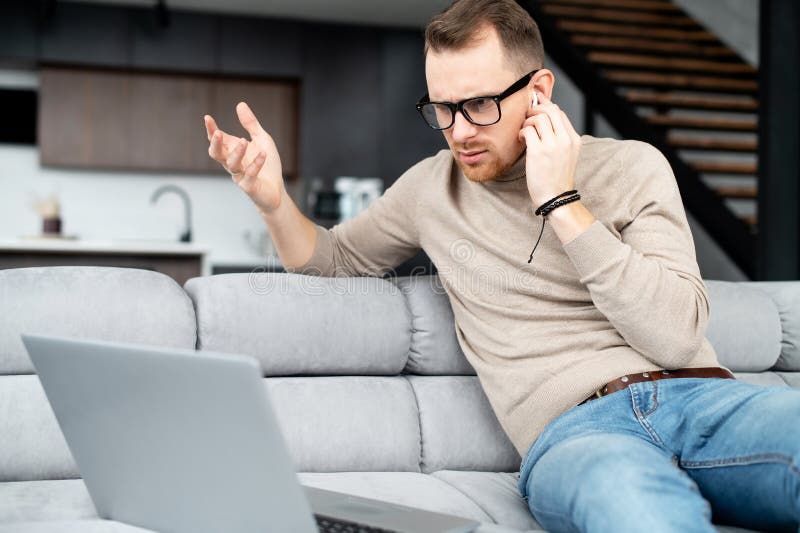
(112, 246)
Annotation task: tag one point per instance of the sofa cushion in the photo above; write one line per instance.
(33, 501)
(115, 304)
(459, 428)
(791, 378)
(744, 328)
(404, 488)
(31, 443)
(434, 346)
(765, 379)
(295, 324)
(336, 424)
(786, 295)
(496, 493)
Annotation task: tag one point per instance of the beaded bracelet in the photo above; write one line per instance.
(547, 207)
(546, 211)
(551, 200)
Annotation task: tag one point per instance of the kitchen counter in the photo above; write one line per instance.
(179, 260)
(122, 246)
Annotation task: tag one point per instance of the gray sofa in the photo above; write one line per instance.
(371, 388)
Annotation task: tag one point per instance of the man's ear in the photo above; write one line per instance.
(542, 82)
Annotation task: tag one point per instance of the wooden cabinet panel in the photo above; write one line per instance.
(166, 125)
(275, 105)
(83, 119)
(144, 121)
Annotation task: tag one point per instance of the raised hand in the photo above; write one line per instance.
(552, 151)
(254, 165)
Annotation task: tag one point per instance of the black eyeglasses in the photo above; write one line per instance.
(479, 110)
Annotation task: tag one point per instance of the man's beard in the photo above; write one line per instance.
(486, 171)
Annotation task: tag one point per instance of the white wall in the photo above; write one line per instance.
(116, 205)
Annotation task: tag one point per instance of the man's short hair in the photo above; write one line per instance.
(463, 23)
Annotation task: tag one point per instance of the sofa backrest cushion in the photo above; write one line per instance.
(459, 429)
(744, 328)
(348, 423)
(786, 295)
(295, 324)
(115, 304)
(434, 347)
(32, 446)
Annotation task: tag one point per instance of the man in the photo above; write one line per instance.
(611, 299)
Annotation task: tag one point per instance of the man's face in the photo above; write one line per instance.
(482, 152)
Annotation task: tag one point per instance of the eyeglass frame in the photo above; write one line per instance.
(459, 106)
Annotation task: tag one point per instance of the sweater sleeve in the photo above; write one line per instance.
(373, 242)
(647, 282)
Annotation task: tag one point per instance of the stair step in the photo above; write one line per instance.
(711, 143)
(682, 81)
(737, 192)
(750, 219)
(644, 5)
(637, 44)
(635, 31)
(724, 167)
(616, 15)
(670, 63)
(685, 101)
(702, 123)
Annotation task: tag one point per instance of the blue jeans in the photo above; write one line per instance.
(670, 456)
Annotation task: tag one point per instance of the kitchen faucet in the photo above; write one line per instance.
(186, 236)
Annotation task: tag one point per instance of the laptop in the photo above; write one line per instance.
(185, 441)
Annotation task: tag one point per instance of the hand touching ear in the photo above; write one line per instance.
(553, 147)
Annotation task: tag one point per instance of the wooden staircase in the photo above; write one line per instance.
(656, 75)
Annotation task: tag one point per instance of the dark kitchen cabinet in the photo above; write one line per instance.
(154, 122)
(275, 105)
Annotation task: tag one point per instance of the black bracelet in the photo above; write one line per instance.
(546, 208)
(546, 211)
(551, 200)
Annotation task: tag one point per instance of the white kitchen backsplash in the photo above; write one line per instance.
(103, 205)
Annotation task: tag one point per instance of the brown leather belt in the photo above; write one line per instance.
(655, 375)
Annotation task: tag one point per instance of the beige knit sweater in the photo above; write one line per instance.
(625, 296)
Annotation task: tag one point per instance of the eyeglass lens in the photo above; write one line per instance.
(479, 111)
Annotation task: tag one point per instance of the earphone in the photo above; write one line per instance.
(535, 100)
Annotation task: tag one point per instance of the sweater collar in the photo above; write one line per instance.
(512, 178)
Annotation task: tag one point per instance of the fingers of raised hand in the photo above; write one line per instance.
(255, 165)
(234, 160)
(570, 128)
(211, 125)
(529, 135)
(554, 113)
(216, 148)
(540, 130)
(248, 120)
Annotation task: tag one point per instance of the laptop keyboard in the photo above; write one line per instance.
(327, 524)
